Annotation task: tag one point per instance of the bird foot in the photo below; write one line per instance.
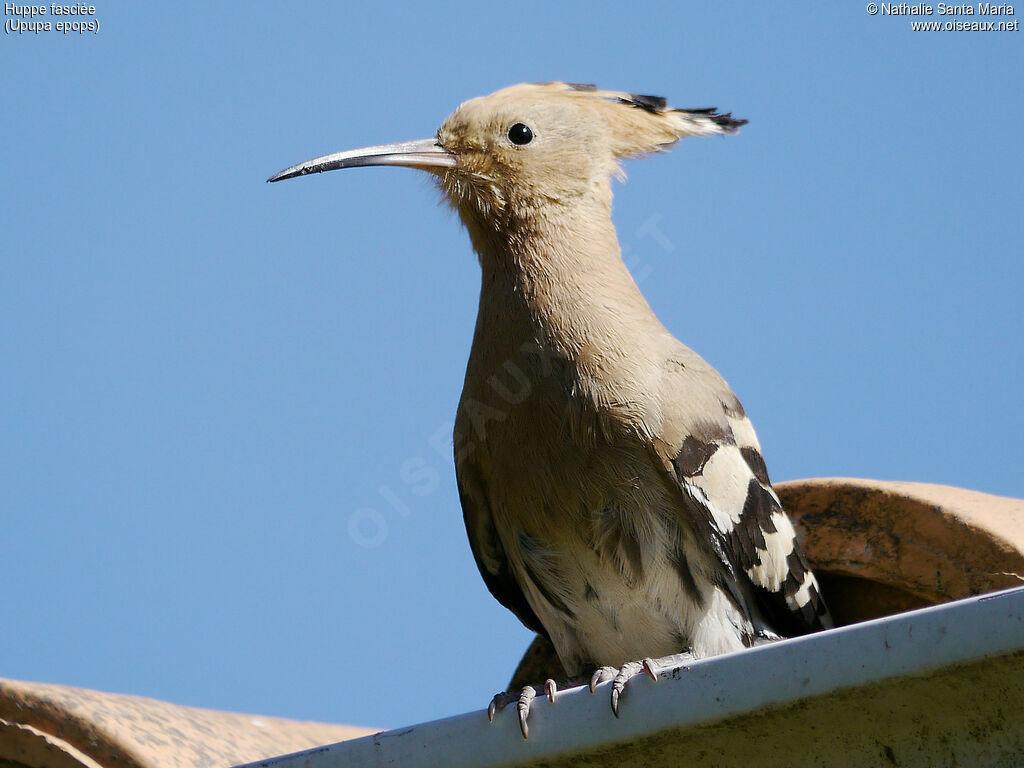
(524, 698)
(524, 701)
(619, 677)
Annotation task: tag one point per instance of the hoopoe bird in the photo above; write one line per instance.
(613, 488)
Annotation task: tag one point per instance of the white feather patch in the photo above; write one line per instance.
(773, 568)
(724, 482)
(743, 433)
(803, 595)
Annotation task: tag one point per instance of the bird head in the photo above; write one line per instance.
(524, 148)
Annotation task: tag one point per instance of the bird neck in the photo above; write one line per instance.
(558, 280)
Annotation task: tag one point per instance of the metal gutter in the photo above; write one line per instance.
(939, 685)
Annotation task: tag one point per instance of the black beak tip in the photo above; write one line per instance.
(288, 173)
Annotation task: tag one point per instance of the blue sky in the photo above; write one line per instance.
(225, 471)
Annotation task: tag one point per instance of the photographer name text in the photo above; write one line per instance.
(944, 9)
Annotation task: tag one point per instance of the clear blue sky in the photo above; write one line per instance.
(205, 379)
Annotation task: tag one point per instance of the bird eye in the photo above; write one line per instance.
(520, 134)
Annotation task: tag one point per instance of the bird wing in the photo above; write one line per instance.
(487, 547)
(712, 458)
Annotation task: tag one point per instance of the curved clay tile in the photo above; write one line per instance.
(54, 726)
(880, 548)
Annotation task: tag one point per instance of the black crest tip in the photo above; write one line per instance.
(727, 121)
(652, 104)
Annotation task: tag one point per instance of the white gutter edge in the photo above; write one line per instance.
(914, 643)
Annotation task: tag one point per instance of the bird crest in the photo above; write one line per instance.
(637, 123)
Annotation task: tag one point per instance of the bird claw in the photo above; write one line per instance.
(524, 702)
(550, 689)
(499, 702)
(650, 667)
(602, 675)
(621, 676)
(526, 698)
(624, 675)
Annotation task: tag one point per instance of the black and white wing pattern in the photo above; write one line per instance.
(718, 466)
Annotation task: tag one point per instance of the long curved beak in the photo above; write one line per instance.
(425, 154)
